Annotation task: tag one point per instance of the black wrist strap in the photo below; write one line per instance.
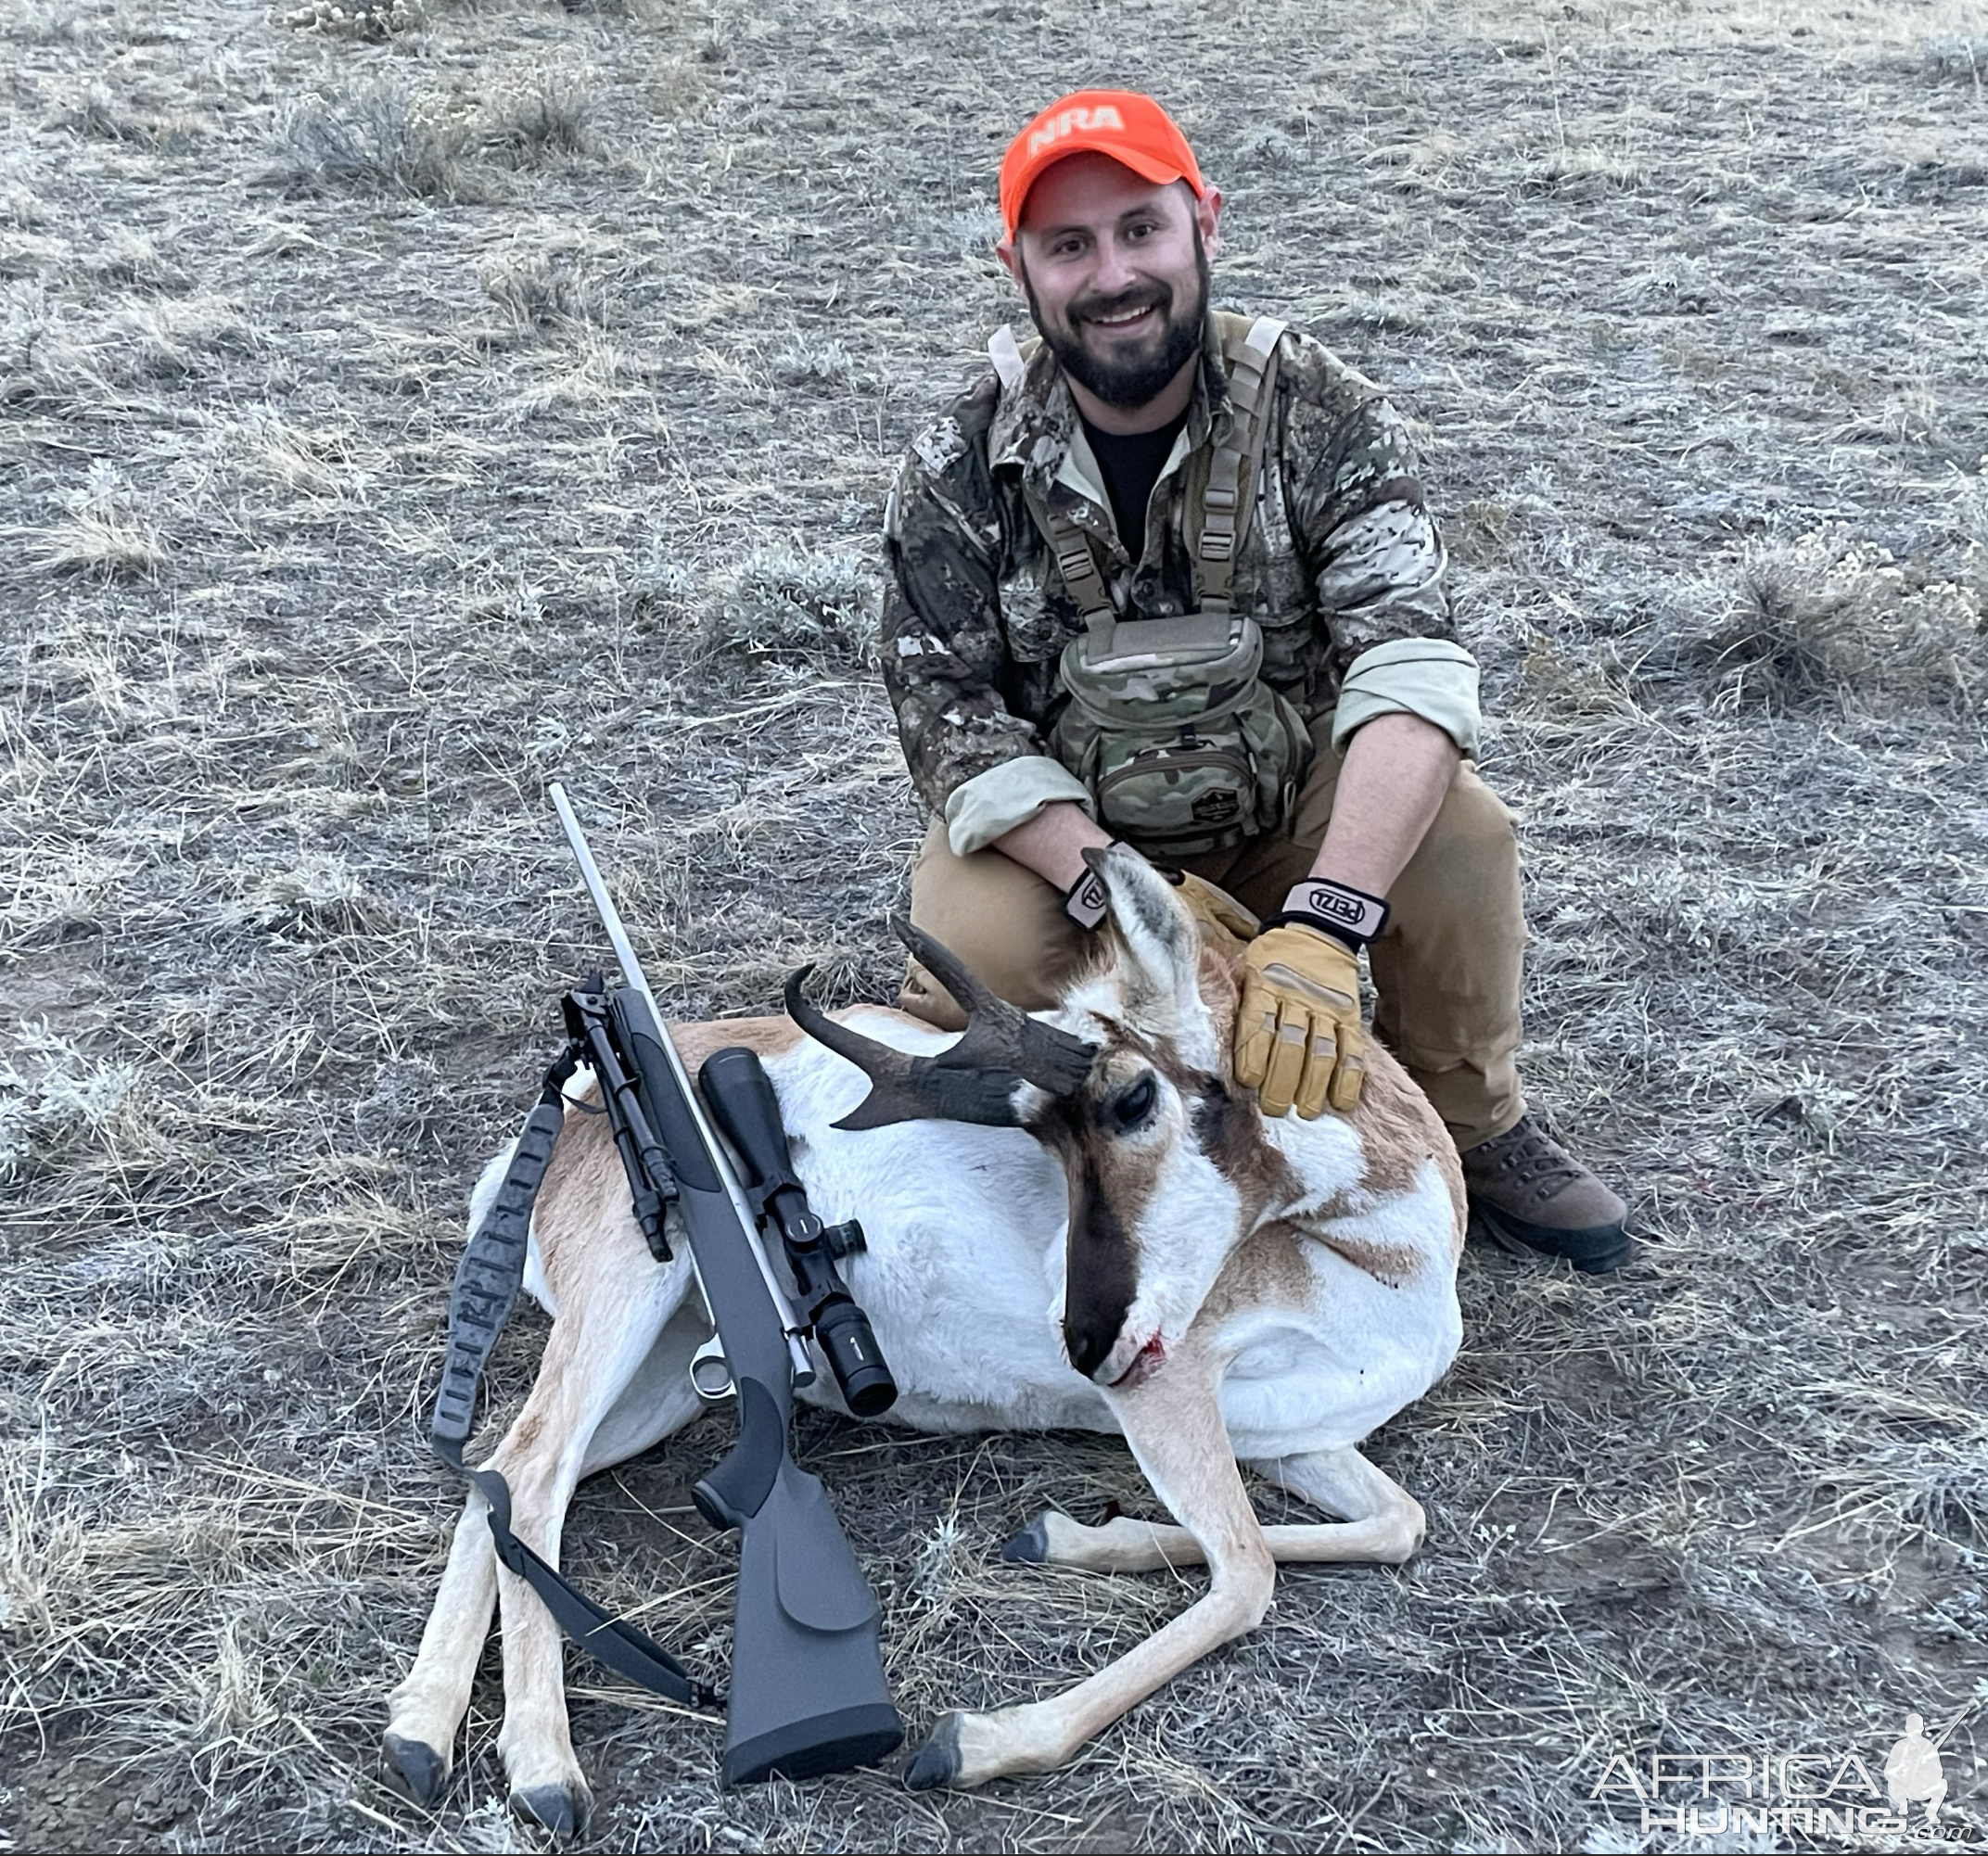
(1350, 916)
(1084, 901)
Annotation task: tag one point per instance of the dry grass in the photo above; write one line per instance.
(376, 135)
(536, 423)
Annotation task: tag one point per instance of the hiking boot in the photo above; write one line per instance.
(1527, 1193)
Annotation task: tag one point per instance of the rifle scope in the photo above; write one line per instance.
(742, 1103)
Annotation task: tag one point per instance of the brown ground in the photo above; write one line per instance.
(389, 424)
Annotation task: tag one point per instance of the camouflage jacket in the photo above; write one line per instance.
(1340, 556)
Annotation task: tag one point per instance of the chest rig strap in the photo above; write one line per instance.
(1232, 472)
(1227, 498)
(1074, 559)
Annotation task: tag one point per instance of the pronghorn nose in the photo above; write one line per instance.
(1090, 1342)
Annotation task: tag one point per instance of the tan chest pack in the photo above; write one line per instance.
(1184, 747)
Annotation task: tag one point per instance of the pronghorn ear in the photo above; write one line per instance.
(1158, 969)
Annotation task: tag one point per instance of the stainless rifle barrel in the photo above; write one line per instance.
(632, 972)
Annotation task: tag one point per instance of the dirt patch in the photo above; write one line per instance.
(403, 406)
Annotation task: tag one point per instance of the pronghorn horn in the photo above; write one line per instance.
(997, 1031)
(975, 1081)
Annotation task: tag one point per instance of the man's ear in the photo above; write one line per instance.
(1010, 259)
(1208, 216)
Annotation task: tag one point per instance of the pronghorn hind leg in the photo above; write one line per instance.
(1383, 1524)
(424, 1711)
(658, 1402)
(1174, 1426)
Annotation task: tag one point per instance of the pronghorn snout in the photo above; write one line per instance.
(1101, 1279)
(1130, 1363)
(1092, 1342)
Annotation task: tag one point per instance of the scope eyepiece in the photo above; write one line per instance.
(846, 1338)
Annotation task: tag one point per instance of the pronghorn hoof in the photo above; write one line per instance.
(1031, 1547)
(419, 1770)
(559, 1809)
(938, 1761)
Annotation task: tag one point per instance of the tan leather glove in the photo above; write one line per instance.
(1216, 906)
(1298, 1036)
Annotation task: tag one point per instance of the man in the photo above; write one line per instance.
(1169, 579)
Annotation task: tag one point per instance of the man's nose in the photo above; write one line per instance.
(1114, 272)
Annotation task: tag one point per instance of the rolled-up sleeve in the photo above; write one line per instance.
(993, 803)
(1431, 678)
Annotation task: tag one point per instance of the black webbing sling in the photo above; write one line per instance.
(486, 1289)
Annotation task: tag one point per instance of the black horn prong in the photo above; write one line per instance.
(976, 1080)
(1053, 1060)
(984, 1098)
(904, 1087)
(970, 993)
(997, 1032)
(880, 1062)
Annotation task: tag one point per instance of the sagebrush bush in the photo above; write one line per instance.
(1824, 620)
(807, 362)
(776, 601)
(528, 115)
(54, 1098)
(543, 289)
(375, 135)
(100, 116)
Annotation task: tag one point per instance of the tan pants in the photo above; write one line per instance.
(1445, 974)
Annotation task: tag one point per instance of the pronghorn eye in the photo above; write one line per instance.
(1134, 1106)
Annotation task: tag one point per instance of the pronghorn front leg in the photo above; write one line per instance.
(1174, 1426)
(613, 1380)
(604, 1343)
(1380, 1523)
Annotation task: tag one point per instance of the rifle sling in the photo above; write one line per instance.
(486, 1289)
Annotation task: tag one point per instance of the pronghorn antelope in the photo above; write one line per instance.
(1142, 1252)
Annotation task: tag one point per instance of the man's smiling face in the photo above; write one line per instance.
(1115, 270)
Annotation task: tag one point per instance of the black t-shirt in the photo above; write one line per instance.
(1132, 463)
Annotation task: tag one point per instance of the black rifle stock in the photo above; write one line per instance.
(807, 1693)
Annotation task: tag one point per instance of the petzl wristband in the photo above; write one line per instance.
(1084, 901)
(1348, 915)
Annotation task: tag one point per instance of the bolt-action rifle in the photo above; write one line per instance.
(807, 1693)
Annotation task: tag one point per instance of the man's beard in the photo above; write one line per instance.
(1131, 382)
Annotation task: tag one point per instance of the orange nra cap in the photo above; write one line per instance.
(1130, 128)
